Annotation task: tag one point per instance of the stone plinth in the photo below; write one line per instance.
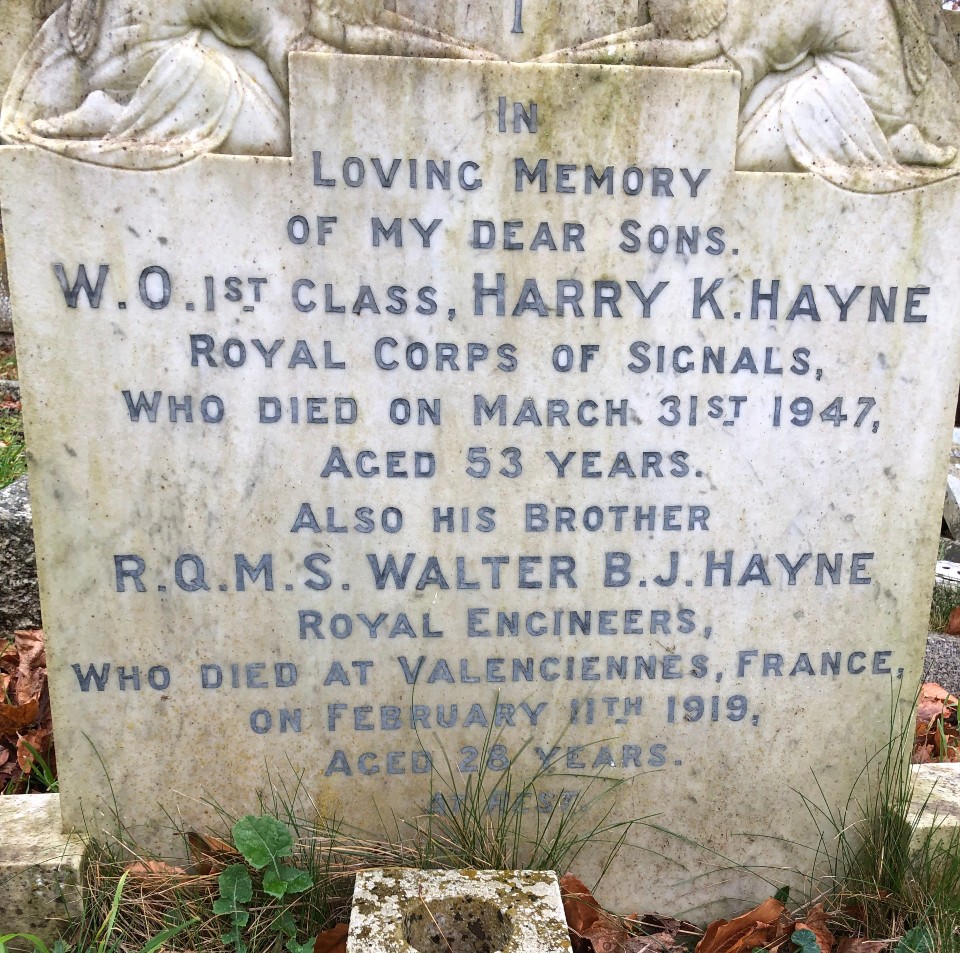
(39, 867)
(935, 805)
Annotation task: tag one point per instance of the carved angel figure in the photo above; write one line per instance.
(858, 91)
(151, 83)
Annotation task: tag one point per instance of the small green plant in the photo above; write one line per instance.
(265, 842)
(917, 940)
(884, 875)
(39, 778)
(806, 940)
(945, 599)
(236, 891)
(8, 365)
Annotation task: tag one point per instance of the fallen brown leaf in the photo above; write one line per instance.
(816, 922)
(657, 943)
(210, 853)
(152, 869)
(859, 945)
(757, 927)
(32, 665)
(655, 923)
(953, 623)
(38, 739)
(14, 718)
(333, 940)
(937, 733)
(934, 701)
(654, 933)
(588, 921)
(579, 905)
(607, 940)
(922, 754)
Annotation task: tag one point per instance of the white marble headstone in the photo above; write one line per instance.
(503, 420)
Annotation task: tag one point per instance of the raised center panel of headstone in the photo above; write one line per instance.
(503, 424)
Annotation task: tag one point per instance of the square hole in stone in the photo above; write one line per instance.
(397, 910)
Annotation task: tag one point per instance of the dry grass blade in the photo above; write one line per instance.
(155, 897)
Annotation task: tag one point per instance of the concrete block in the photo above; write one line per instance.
(457, 911)
(935, 805)
(39, 867)
(19, 593)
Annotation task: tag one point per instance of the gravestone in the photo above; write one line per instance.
(561, 416)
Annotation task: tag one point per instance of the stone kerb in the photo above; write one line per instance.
(935, 803)
(39, 867)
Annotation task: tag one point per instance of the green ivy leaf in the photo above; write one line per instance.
(806, 940)
(285, 880)
(783, 894)
(262, 840)
(917, 940)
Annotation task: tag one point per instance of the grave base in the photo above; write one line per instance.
(39, 867)
(936, 802)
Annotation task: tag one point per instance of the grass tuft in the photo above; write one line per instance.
(13, 459)
(8, 364)
(945, 599)
(882, 876)
(487, 818)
